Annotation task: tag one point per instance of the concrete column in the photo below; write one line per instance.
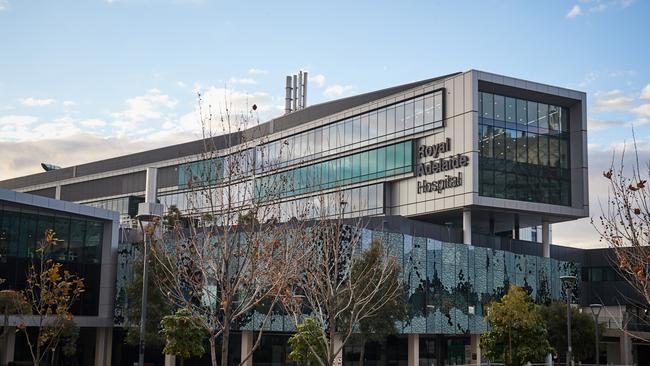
(475, 347)
(625, 343)
(57, 192)
(414, 350)
(336, 343)
(103, 346)
(170, 360)
(246, 347)
(467, 227)
(546, 239)
(7, 354)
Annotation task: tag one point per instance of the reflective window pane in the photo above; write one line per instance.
(499, 108)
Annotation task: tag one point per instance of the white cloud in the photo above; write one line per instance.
(17, 120)
(181, 84)
(254, 71)
(68, 103)
(574, 12)
(643, 110)
(93, 122)
(598, 8)
(151, 105)
(244, 81)
(337, 90)
(216, 101)
(4, 5)
(613, 100)
(318, 79)
(22, 158)
(645, 93)
(34, 102)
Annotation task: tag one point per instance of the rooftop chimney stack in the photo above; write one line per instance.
(287, 97)
(295, 97)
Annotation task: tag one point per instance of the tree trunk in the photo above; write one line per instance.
(224, 344)
(213, 350)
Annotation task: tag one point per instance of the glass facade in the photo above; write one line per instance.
(364, 166)
(422, 113)
(523, 150)
(79, 252)
(447, 285)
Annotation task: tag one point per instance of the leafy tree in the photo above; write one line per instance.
(582, 329)
(517, 333)
(157, 305)
(183, 334)
(307, 344)
(382, 324)
(50, 293)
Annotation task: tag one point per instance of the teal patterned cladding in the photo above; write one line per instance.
(443, 282)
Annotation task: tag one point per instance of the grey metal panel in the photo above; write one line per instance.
(45, 192)
(104, 187)
(195, 147)
(510, 91)
(38, 178)
(168, 177)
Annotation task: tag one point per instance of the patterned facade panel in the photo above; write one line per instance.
(447, 286)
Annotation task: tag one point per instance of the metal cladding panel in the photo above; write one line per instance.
(104, 187)
(39, 178)
(45, 192)
(168, 176)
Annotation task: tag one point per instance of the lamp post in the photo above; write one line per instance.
(148, 212)
(595, 311)
(568, 282)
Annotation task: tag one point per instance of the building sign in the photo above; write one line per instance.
(439, 165)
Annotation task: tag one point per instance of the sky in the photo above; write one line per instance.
(91, 79)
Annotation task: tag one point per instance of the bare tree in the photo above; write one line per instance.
(625, 221)
(337, 286)
(230, 269)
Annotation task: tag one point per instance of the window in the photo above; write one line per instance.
(409, 115)
(527, 160)
(390, 121)
(531, 108)
(522, 114)
(542, 113)
(511, 110)
(499, 108)
(488, 106)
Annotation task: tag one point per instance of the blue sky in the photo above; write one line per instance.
(83, 80)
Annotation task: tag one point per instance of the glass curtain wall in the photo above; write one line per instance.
(415, 115)
(79, 250)
(524, 150)
(368, 165)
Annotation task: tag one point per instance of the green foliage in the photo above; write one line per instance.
(183, 333)
(583, 331)
(69, 336)
(157, 305)
(175, 218)
(307, 344)
(517, 331)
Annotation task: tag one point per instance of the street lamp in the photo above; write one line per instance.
(595, 311)
(149, 211)
(568, 282)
